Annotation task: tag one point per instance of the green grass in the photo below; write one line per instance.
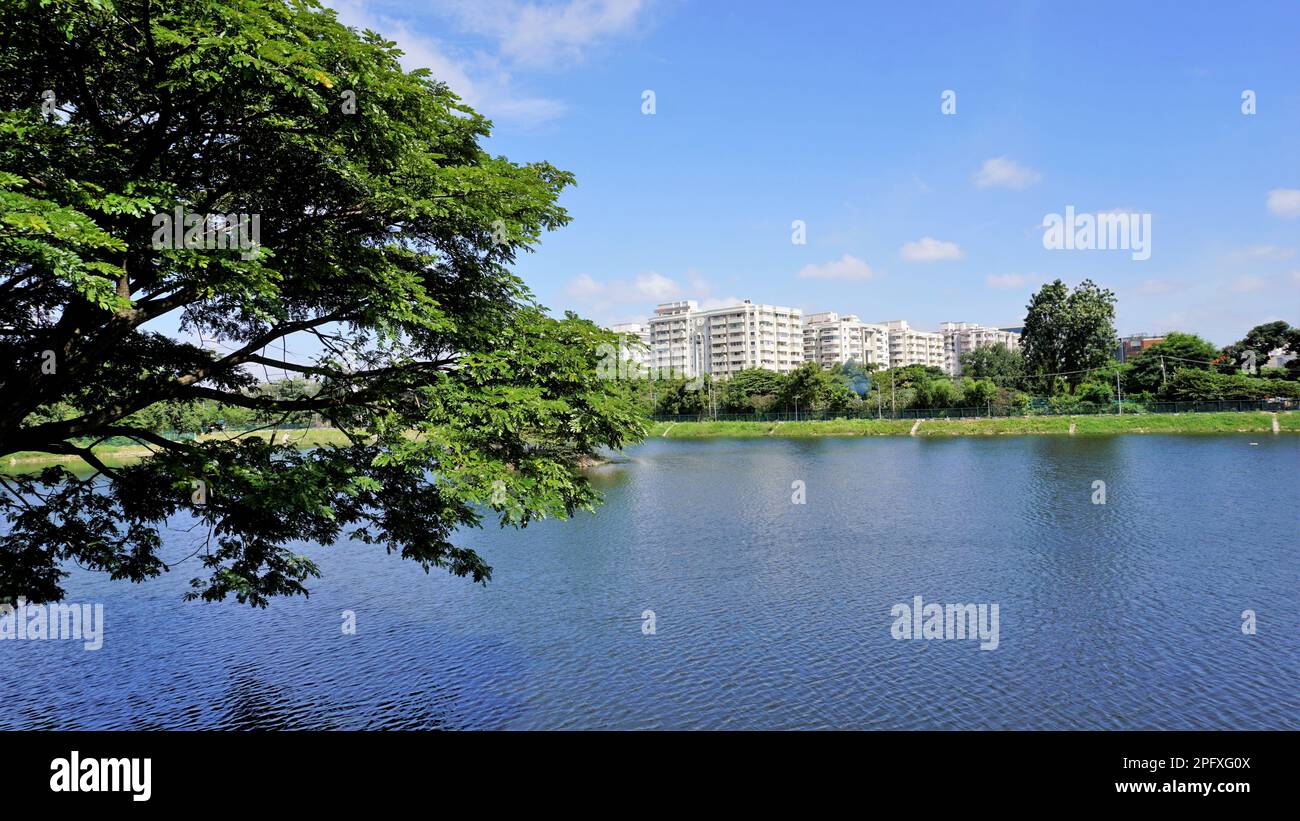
(1018, 425)
(708, 430)
(784, 430)
(1245, 422)
(118, 455)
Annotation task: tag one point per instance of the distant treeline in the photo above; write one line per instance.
(202, 416)
(1182, 368)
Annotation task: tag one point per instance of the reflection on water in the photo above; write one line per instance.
(768, 614)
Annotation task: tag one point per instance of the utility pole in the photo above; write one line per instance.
(1162, 370)
(893, 398)
(1119, 393)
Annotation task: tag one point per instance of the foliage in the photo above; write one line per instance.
(1067, 332)
(386, 236)
(997, 362)
(1151, 368)
(1194, 385)
(1263, 340)
(807, 387)
(752, 390)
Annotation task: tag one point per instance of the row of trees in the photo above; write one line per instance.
(1066, 359)
(850, 388)
(204, 415)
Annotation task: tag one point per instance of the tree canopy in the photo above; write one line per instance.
(1151, 368)
(1259, 343)
(1067, 332)
(997, 362)
(378, 268)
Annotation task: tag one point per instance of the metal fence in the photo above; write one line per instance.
(1039, 408)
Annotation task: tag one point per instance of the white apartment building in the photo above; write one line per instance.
(676, 339)
(642, 357)
(753, 336)
(830, 339)
(908, 346)
(724, 341)
(960, 337)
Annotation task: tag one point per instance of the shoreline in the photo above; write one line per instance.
(1183, 423)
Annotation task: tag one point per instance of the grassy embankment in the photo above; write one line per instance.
(115, 455)
(1246, 422)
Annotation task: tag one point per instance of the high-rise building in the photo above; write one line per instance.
(676, 344)
(753, 336)
(723, 341)
(830, 339)
(640, 351)
(960, 337)
(908, 346)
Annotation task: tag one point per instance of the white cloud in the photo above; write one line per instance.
(1001, 172)
(847, 267)
(653, 285)
(1005, 280)
(545, 34)
(512, 33)
(929, 249)
(1271, 253)
(710, 303)
(649, 286)
(1247, 284)
(1155, 287)
(1284, 202)
(584, 287)
(631, 300)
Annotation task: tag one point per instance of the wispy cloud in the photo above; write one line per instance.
(602, 297)
(1269, 253)
(1156, 287)
(1247, 284)
(1001, 172)
(847, 267)
(1284, 202)
(545, 35)
(929, 249)
(647, 286)
(510, 36)
(1001, 281)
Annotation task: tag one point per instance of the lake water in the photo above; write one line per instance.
(767, 614)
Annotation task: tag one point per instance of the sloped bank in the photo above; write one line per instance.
(1227, 422)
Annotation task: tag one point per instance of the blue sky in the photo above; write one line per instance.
(830, 113)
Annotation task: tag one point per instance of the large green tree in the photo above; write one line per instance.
(1259, 344)
(750, 389)
(811, 387)
(381, 273)
(1067, 332)
(1153, 366)
(997, 362)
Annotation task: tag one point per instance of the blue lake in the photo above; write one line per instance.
(767, 614)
